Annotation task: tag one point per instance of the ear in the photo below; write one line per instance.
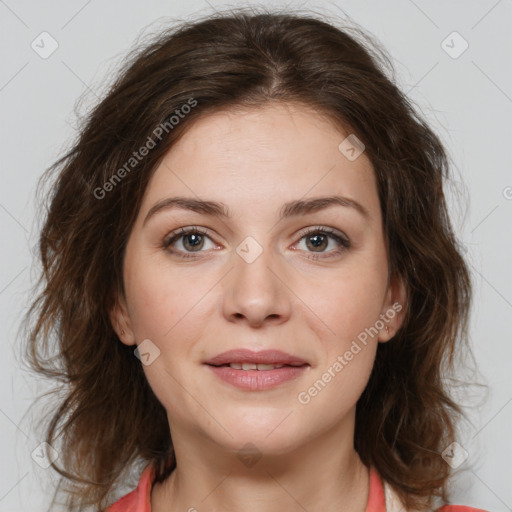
(120, 320)
(393, 309)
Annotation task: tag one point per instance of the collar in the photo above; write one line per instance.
(381, 497)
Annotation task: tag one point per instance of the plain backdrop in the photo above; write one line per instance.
(452, 59)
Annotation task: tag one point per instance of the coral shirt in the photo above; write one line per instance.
(381, 498)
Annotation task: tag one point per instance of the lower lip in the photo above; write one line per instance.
(257, 380)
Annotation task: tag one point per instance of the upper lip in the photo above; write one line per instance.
(248, 356)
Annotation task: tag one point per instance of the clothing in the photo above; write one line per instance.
(381, 497)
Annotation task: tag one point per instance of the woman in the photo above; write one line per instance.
(253, 281)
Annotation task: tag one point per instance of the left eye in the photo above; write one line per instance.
(318, 240)
(193, 239)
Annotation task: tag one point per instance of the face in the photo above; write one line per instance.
(311, 282)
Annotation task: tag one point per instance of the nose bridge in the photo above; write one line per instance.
(256, 290)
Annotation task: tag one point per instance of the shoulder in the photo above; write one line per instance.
(394, 504)
(459, 508)
(138, 500)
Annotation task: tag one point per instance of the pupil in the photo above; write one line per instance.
(319, 240)
(196, 237)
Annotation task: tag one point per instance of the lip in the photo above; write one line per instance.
(257, 380)
(262, 357)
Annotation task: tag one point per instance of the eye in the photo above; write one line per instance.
(192, 240)
(317, 240)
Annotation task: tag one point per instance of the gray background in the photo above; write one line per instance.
(466, 97)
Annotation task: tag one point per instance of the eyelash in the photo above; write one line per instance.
(342, 241)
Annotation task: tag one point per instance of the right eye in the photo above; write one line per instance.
(191, 239)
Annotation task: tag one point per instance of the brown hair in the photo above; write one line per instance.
(405, 416)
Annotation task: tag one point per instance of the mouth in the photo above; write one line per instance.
(244, 359)
(256, 366)
(256, 371)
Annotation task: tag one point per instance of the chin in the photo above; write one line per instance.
(251, 451)
(273, 437)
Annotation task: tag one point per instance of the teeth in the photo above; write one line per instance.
(269, 366)
(252, 366)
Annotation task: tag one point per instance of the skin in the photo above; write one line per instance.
(192, 309)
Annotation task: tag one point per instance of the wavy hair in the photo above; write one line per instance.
(406, 415)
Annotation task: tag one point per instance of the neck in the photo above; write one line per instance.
(313, 477)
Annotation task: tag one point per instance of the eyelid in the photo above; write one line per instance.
(183, 231)
(324, 229)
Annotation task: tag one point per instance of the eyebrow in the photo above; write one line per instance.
(291, 209)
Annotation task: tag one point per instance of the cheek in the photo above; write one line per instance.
(160, 301)
(149, 304)
(173, 311)
(337, 388)
(347, 303)
(350, 305)
(349, 354)
(166, 311)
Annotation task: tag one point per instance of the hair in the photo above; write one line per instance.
(243, 59)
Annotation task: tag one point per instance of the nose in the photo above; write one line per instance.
(256, 292)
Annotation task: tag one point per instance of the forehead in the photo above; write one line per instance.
(262, 156)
